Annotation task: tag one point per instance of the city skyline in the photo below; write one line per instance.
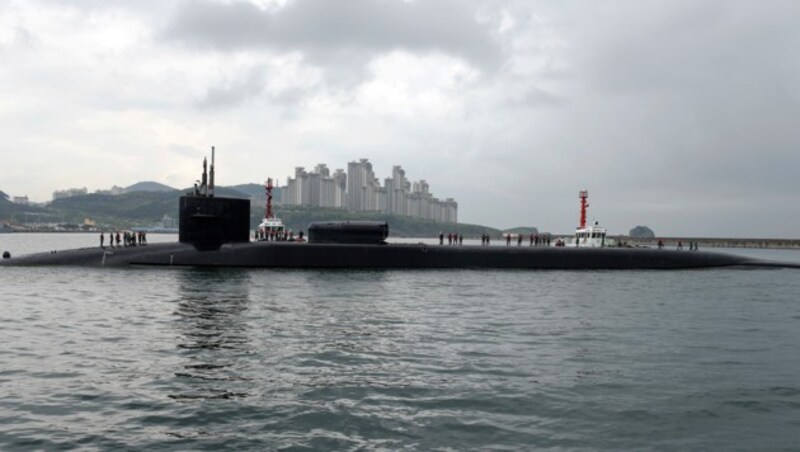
(360, 190)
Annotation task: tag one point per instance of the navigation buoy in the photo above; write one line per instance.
(6, 255)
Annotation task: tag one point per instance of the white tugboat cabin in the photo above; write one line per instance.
(592, 236)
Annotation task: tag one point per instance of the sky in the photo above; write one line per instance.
(677, 114)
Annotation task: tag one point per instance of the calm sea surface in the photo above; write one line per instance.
(448, 360)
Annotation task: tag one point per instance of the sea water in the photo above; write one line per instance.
(451, 360)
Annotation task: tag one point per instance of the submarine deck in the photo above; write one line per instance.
(412, 256)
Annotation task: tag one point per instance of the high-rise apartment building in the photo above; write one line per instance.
(359, 190)
(58, 194)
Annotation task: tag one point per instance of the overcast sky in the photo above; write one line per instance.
(680, 115)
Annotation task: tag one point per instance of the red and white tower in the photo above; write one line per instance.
(584, 196)
(268, 188)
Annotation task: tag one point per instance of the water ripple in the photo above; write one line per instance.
(440, 360)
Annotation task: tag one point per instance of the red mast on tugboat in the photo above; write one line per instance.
(589, 236)
(268, 188)
(584, 195)
(271, 228)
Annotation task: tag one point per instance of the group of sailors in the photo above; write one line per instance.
(284, 235)
(535, 240)
(127, 238)
(452, 238)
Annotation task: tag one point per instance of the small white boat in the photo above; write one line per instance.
(592, 236)
(271, 227)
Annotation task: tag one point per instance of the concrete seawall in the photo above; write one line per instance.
(713, 242)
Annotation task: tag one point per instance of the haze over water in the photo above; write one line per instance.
(461, 359)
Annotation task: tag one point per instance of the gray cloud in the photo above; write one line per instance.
(678, 114)
(149, 6)
(235, 92)
(686, 110)
(328, 29)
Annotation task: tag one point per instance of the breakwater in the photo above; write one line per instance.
(713, 242)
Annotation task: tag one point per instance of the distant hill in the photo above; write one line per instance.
(642, 232)
(255, 193)
(138, 208)
(146, 208)
(18, 213)
(142, 209)
(251, 190)
(148, 186)
(230, 192)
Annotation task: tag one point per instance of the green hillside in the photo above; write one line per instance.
(136, 209)
(148, 186)
(250, 190)
(144, 209)
(16, 213)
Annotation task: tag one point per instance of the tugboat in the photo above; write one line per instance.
(271, 226)
(592, 236)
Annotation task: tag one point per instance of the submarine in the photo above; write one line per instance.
(215, 232)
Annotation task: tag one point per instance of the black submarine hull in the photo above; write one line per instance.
(388, 256)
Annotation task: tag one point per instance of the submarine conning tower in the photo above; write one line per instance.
(206, 221)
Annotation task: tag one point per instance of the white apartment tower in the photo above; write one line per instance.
(358, 190)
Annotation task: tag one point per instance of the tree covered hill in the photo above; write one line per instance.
(148, 186)
(16, 213)
(134, 209)
(141, 209)
(250, 190)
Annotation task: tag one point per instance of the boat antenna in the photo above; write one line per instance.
(211, 175)
(268, 188)
(584, 196)
(204, 182)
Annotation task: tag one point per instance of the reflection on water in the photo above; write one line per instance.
(213, 332)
